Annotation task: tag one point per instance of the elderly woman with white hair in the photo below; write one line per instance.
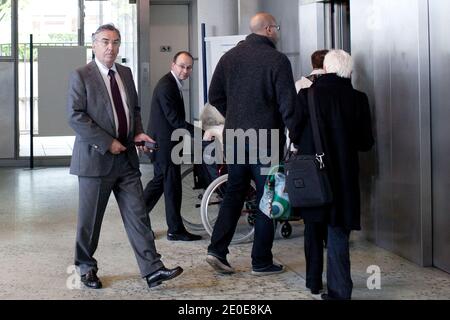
(345, 127)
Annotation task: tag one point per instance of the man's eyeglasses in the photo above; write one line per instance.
(188, 68)
(276, 26)
(106, 42)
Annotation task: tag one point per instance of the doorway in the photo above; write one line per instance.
(62, 33)
(439, 10)
(169, 34)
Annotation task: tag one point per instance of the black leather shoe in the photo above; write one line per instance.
(315, 289)
(185, 236)
(326, 296)
(163, 274)
(91, 280)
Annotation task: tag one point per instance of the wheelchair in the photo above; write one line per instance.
(202, 202)
(204, 186)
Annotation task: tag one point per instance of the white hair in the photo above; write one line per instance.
(210, 117)
(339, 62)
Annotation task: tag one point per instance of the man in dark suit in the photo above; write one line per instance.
(103, 111)
(166, 115)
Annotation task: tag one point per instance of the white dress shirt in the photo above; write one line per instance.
(179, 84)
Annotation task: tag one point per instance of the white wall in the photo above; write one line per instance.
(221, 19)
(311, 33)
(287, 16)
(169, 26)
(247, 9)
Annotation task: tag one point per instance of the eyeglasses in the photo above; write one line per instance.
(106, 42)
(188, 68)
(276, 26)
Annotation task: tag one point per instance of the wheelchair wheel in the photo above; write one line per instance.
(192, 199)
(285, 229)
(211, 201)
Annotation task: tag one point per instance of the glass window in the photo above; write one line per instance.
(5, 27)
(51, 24)
(123, 15)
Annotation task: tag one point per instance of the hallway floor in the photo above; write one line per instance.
(37, 235)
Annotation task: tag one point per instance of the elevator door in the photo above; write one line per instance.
(440, 117)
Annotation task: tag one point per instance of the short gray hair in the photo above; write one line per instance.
(104, 27)
(339, 62)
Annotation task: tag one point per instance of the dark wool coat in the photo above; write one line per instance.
(253, 87)
(345, 127)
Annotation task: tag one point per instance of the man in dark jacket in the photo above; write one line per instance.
(345, 125)
(166, 115)
(253, 87)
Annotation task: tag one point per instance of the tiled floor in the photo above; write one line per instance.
(37, 234)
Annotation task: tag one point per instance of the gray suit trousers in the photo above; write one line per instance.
(124, 181)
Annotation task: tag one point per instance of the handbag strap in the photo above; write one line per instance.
(315, 128)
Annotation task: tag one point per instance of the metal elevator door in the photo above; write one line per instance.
(440, 120)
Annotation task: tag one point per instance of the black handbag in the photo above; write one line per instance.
(307, 181)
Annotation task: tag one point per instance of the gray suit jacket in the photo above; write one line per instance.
(90, 115)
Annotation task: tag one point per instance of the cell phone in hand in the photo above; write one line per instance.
(150, 145)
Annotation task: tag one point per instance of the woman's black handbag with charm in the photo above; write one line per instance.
(306, 176)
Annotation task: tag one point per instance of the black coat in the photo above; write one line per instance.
(346, 128)
(253, 87)
(166, 115)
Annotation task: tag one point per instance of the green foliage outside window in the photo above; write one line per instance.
(5, 19)
(5, 10)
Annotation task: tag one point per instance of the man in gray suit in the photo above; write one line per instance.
(104, 113)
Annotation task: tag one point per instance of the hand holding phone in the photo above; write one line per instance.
(150, 145)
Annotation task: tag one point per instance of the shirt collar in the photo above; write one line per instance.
(179, 82)
(317, 71)
(103, 69)
(256, 38)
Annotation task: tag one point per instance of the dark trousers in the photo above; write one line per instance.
(125, 182)
(339, 281)
(166, 180)
(239, 176)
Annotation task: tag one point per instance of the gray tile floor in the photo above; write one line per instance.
(37, 234)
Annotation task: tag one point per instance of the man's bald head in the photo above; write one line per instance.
(260, 21)
(264, 24)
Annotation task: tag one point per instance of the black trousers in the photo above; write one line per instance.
(239, 176)
(167, 181)
(339, 281)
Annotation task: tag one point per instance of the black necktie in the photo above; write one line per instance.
(181, 94)
(121, 116)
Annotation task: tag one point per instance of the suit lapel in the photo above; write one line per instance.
(103, 91)
(180, 102)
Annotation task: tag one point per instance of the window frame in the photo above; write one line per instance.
(10, 57)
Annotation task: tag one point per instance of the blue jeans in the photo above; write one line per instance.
(239, 176)
(339, 281)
